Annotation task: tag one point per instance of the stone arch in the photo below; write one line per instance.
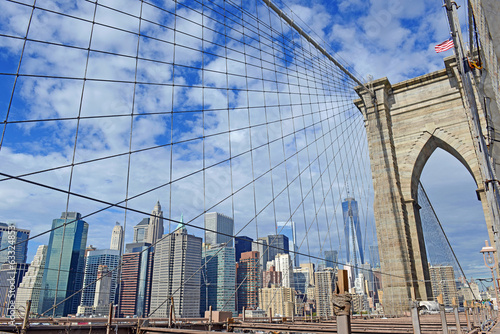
(405, 124)
(424, 148)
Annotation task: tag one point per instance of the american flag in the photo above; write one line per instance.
(445, 46)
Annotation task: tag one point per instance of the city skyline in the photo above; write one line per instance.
(413, 56)
(233, 143)
(221, 275)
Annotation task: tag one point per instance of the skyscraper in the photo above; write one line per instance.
(276, 244)
(11, 276)
(116, 237)
(220, 229)
(10, 234)
(352, 233)
(443, 283)
(241, 245)
(284, 265)
(218, 279)
(325, 281)
(279, 299)
(248, 280)
(102, 297)
(141, 231)
(271, 277)
(30, 287)
(155, 227)
(374, 256)
(288, 229)
(331, 259)
(176, 274)
(310, 268)
(136, 280)
(100, 257)
(301, 279)
(63, 274)
(261, 247)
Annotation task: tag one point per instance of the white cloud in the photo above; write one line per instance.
(50, 144)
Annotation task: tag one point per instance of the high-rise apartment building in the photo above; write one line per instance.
(443, 282)
(141, 231)
(279, 300)
(116, 237)
(136, 280)
(9, 235)
(95, 259)
(155, 227)
(63, 273)
(248, 280)
(176, 273)
(325, 286)
(283, 264)
(218, 279)
(219, 229)
(352, 234)
(242, 244)
(29, 288)
(288, 229)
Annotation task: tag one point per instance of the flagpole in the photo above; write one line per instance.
(482, 150)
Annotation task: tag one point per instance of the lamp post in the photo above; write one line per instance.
(489, 261)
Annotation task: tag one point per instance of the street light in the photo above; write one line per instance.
(489, 261)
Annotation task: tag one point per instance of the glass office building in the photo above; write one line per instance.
(64, 266)
(352, 233)
(16, 235)
(96, 258)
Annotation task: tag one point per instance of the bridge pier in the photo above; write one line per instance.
(405, 124)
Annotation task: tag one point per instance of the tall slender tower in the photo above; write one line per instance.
(352, 233)
(116, 237)
(155, 227)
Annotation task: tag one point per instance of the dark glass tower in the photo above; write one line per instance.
(242, 244)
(276, 244)
(63, 274)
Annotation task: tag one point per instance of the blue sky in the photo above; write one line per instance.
(396, 39)
(393, 39)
